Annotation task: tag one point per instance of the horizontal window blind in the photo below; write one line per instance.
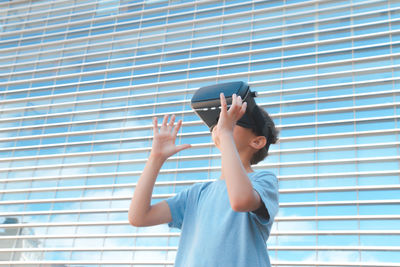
(81, 80)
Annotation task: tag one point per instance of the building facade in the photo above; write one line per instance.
(81, 80)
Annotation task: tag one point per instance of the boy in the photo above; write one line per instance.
(223, 223)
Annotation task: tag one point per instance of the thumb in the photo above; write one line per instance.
(182, 147)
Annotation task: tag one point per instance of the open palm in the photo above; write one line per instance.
(164, 138)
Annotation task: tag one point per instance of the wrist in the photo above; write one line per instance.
(226, 141)
(155, 158)
(223, 134)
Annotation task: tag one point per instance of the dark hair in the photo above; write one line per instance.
(262, 153)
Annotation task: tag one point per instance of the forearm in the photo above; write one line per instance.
(141, 200)
(240, 189)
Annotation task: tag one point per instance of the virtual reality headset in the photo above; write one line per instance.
(206, 104)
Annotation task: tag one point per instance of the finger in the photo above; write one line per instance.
(164, 123)
(234, 106)
(172, 121)
(234, 100)
(243, 109)
(177, 127)
(155, 126)
(175, 130)
(223, 102)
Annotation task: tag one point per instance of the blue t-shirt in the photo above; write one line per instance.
(212, 234)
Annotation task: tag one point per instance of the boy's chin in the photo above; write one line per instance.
(216, 144)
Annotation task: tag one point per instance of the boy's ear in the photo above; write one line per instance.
(258, 142)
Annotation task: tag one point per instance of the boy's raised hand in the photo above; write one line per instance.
(164, 139)
(228, 118)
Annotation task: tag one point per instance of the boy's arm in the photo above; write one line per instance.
(241, 194)
(141, 212)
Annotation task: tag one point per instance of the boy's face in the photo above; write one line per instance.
(241, 135)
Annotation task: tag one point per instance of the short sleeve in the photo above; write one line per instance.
(177, 206)
(182, 203)
(266, 185)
